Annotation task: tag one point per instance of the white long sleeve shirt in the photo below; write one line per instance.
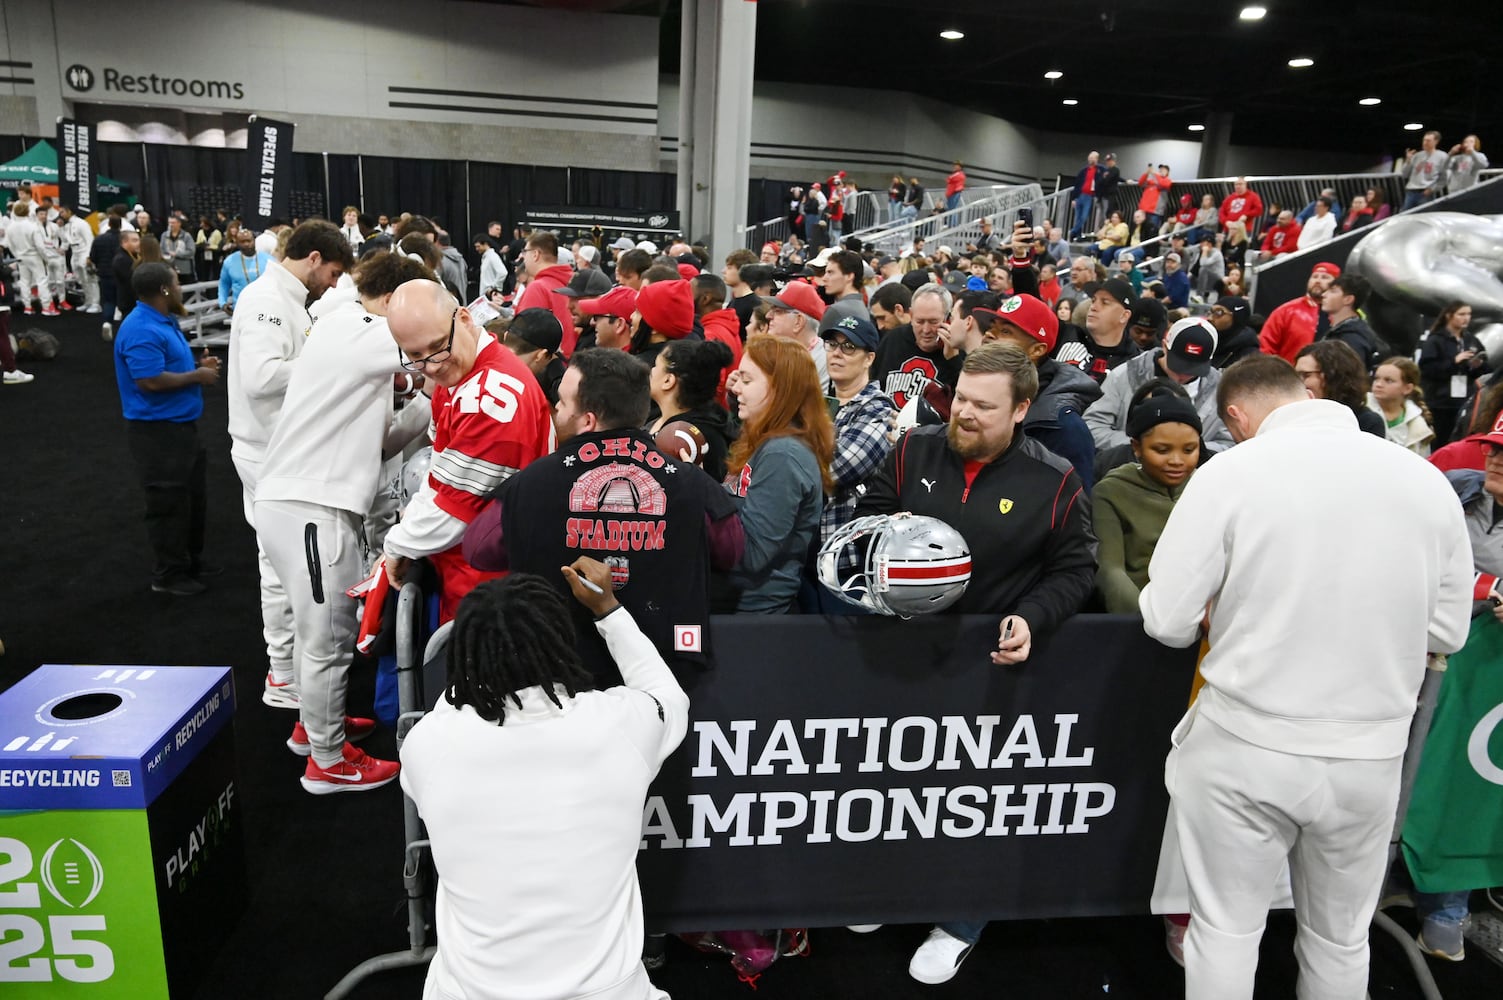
(535, 825)
(1319, 229)
(1333, 562)
(266, 336)
(492, 271)
(80, 239)
(327, 445)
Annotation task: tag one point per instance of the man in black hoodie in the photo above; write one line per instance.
(1235, 337)
(1341, 302)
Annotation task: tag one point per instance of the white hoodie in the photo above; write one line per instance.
(1335, 561)
(266, 337)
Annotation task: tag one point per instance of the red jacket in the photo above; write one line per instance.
(1281, 239)
(955, 183)
(1289, 328)
(539, 295)
(1155, 187)
(1241, 206)
(725, 326)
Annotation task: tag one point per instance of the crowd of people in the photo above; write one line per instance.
(682, 433)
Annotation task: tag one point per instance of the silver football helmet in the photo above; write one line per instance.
(414, 471)
(896, 564)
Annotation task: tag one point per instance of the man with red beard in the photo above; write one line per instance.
(1294, 325)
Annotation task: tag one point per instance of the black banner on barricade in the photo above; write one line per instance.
(585, 216)
(268, 176)
(75, 166)
(864, 770)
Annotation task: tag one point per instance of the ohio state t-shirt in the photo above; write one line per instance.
(902, 370)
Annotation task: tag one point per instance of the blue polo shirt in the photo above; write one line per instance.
(147, 344)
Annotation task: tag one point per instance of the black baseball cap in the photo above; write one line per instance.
(1150, 314)
(1116, 288)
(586, 285)
(858, 330)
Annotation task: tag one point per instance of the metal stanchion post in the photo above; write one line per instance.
(1419, 729)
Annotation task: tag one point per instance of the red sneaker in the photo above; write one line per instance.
(358, 772)
(50, 310)
(65, 306)
(355, 730)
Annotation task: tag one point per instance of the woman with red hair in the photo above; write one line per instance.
(779, 468)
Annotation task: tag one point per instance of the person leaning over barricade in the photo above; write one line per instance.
(1027, 519)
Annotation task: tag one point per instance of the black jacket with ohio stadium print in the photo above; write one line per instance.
(1025, 517)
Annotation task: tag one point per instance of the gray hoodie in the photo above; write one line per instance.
(1107, 417)
(1462, 170)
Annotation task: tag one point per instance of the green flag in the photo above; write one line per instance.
(1453, 836)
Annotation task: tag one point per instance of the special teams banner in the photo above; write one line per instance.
(75, 166)
(864, 770)
(268, 184)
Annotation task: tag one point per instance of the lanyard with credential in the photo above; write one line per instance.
(256, 259)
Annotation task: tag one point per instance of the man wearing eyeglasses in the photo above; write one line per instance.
(267, 333)
(490, 419)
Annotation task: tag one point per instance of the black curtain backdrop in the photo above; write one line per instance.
(344, 184)
(123, 162)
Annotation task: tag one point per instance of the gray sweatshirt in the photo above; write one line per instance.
(1107, 417)
(1462, 170)
(1424, 170)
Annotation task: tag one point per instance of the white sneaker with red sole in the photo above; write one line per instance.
(355, 730)
(357, 772)
(280, 694)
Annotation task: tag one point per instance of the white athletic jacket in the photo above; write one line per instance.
(266, 337)
(1335, 561)
(326, 448)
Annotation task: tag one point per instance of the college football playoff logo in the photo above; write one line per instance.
(72, 873)
(80, 78)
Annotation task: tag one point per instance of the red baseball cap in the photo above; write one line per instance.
(668, 307)
(1493, 437)
(687, 271)
(800, 295)
(1325, 267)
(1030, 315)
(619, 301)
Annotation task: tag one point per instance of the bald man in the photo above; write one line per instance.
(490, 419)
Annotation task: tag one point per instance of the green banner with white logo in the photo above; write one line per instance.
(1452, 838)
(77, 898)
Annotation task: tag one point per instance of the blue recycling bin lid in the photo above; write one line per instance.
(76, 736)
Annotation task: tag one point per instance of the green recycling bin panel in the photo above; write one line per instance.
(121, 851)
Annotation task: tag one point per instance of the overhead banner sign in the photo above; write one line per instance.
(267, 193)
(585, 216)
(75, 166)
(863, 770)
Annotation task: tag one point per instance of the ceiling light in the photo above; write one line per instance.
(1301, 63)
(1368, 102)
(951, 35)
(1413, 127)
(1197, 128)
(1069, 102)
(1253, 13)
(1053, 74)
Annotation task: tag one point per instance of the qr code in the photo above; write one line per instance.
(120, 779)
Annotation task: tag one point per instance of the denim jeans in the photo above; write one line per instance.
(1413, 199)
(952, 201)
(893, 208)
(1083, 205)
(909, 213)
(1442, 907)
(966, 930)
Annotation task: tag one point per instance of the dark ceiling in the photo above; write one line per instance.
(1147, 68)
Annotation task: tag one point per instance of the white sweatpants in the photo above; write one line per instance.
(57, 279)
(318, 553)
(1241, 810)
(276, 613)
(90, 288)
(33, 276)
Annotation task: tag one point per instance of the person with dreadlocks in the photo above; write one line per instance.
(531, 784)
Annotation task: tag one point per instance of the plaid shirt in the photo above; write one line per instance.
(864, 434)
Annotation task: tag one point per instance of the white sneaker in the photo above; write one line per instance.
(107, 331)
(92, 309)
(280, 695)
(17, 377)
(938, 958)
(863, 928)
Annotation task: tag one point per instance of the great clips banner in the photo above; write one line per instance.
(871, 770)
(268, 180)
(75, 166)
